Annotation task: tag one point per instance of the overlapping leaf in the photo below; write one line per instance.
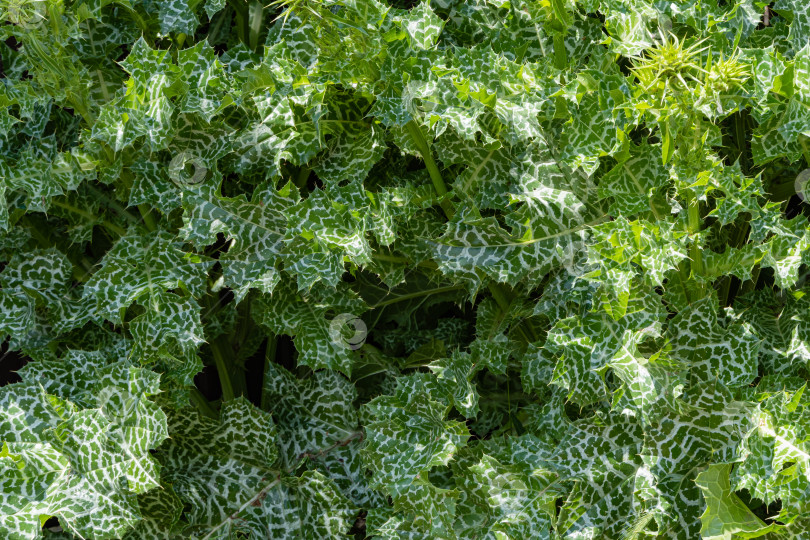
(77, 436)
(226, 471)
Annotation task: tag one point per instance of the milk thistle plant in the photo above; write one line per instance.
(461, 269)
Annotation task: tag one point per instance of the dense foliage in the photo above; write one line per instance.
(469, 269)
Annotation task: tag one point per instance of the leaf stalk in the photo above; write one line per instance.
(433, 170)
(218, 352)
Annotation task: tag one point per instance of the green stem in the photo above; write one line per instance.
(500, 296)
(148, 220)
(218, 351)
(433, 170)
(140, 22)
(301, 179)
(417, 294)
(737, 240)
(724, 290)
(89, 216)
(240, 8)
(199, 401)
(693, 228)
(560, 53)
(683, 276)
(254, 23)
(217, 23)
(245, 322)
(145, 211)
(739, 134)
(120, 210)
